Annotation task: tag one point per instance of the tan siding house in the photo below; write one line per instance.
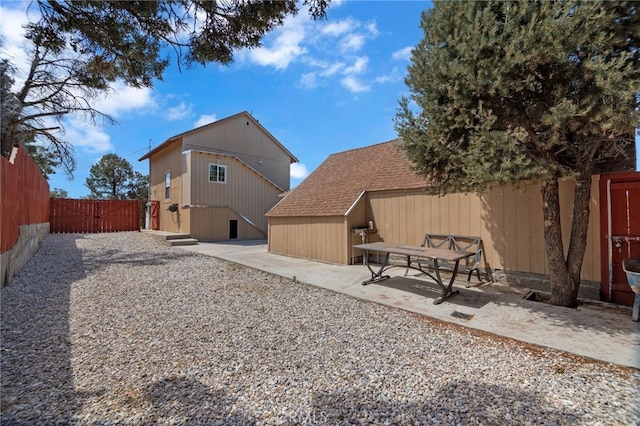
(221, 179)
(376, 183)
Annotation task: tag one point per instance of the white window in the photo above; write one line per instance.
(167, 185)
(217, 173)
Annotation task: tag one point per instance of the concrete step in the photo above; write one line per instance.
(182, 241)
(176, 236)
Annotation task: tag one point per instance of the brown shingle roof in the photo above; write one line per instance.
(338, 182)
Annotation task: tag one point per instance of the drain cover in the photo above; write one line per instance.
(461, 315)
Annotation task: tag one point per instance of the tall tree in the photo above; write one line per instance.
(113, 178)
(56, 84)
(46, 160)
(10, 108)
(138, 187)
(59, 193)
(10, 118)
(510, 91)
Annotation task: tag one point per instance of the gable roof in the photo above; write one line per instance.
(341, 179)
(178, 137)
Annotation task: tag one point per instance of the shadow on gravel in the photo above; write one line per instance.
(182, 400)
(96, 262)
(457, 402)
(37, 379)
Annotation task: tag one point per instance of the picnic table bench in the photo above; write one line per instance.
(434, 255)
(469, 265)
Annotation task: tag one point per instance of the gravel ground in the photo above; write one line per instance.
(122, 329)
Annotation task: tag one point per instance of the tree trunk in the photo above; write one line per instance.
(564, 290)
(580, 224)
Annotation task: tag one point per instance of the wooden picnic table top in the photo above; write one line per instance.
(416, 251)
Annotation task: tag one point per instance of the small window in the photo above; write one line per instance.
(217, 173)
(167, 185)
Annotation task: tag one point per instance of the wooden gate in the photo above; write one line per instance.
(620, 233)
(91, 216)
(155, 215)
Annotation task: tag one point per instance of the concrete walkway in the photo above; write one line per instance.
(596, 330)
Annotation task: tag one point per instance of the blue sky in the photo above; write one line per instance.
(319, 87)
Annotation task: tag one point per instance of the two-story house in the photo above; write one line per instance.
(216, 182)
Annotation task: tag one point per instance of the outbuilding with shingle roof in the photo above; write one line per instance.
(334, 187)
(323, 217)
(316, 219)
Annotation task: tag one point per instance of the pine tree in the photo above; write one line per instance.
(113, 178)
(509, 91)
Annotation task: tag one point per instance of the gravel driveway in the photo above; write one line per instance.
(121, 329)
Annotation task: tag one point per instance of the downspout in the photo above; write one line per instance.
(348, 230)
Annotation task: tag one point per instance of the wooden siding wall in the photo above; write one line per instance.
(245, 192)
(212, 224)
(509, 221)
(242, 138)
(321, 238)
(170, 159)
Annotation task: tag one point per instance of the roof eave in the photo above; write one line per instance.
(159, 148)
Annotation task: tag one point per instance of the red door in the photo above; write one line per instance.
(620, 218)
(155, 215)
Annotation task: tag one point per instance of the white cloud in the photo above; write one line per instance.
(14, 46)
(285, 48)
(353, 85)
(325, 52)
(308, 81)
(337, 28)
(358, 67)
(327, 69)
(298, 171)
(372, 27)
(402, 54)
(332, 69)
(204, 120)
(86, 135)
(352, 43)
(178, 112)
(394, 76)
(124, 98)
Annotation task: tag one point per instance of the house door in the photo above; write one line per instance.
(155, 215)
(620, 233)
(233, 229)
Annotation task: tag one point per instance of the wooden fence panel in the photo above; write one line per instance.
(91, 216)
(118, 215)
(24, 196)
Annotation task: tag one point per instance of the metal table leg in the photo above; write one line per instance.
(376, 275)
(446, 291)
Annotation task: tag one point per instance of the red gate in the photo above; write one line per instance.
(91, 216)
(620, 233)
(155, 215)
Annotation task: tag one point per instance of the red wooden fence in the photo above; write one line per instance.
(91, 216)
(24, 196)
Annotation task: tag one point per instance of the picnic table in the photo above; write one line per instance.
(412, 254)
